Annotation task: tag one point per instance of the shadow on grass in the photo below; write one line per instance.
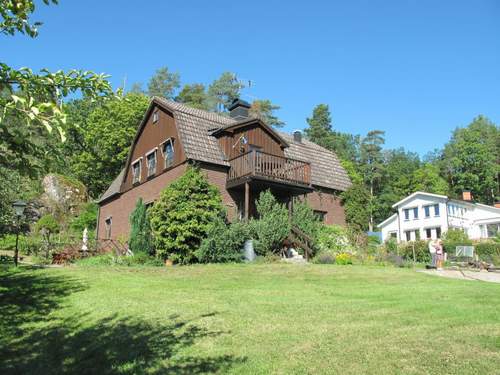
(33, 342)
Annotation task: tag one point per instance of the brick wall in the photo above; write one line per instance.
(328, 202)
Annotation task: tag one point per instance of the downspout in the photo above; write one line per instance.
(399, 227)
(98, 217)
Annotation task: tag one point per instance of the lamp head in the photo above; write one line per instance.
(19, 207)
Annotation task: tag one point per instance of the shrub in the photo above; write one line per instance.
(421, 248)
(8, 242)
(487, 249)
(46, 226)
(140, 232)
(453, 238)
(324, 258)
(183, 215)
(304, 218)
(272, 227)
(391, 246)
(333, 239)
(86, 219)
(224, 243)
(343, 259)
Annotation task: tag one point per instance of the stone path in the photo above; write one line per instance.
(492, 277)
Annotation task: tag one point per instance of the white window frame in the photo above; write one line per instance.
(153, 151)
(156, 116)
(107, 227)
(138, 160)
(162, 147)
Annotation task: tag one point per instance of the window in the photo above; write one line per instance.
(492, 230)
(321, 215)
(155, 116)
(107, 224)
(393, 234)
(428, 233)
(415, 213)
(408, 235)
(407, 213)
(427, 211)
(438, 232)
(417, 235)
(168, 153)
(136, 172)
(436, 210)
(151, 162)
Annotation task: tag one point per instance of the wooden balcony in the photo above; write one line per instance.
(259, 165)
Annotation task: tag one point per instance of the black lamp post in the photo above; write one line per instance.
(19, 207)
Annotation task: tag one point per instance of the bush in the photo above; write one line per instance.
(224, 243)
(421, 247)
(397, 260)
(305, 219)
(487, 249)
(333, 239)
(140, 232)
(453, 238)
(272, 227)
(86, 219)
(8, 242)
(183, 215)
(343, 259)
(324, 258)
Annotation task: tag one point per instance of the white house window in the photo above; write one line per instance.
(438, 232)
(155, 116)
(151, 162)
(415, 213)
(393, 234)
(168, 152)
(408, 235)
(492, 230)
(407, 213)
(136, 172)
(436, 210)
(428, 233)
(427, 211)
(107, 224)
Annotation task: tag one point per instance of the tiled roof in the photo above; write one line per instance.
(114, 188)
(195, 127)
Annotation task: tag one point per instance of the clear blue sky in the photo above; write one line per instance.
(415, 69)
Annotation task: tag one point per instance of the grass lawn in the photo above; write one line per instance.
(251, 319)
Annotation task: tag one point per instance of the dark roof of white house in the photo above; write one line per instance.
(196, 126)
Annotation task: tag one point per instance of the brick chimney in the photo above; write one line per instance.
(297, 136)
(238, 109)
(497, 205)
(467, 196)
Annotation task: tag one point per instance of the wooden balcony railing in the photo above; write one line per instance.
(278, 168)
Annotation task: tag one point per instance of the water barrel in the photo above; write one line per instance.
(248, 251)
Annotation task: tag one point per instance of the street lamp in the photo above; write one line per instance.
(19, 207)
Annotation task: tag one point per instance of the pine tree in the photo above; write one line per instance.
(320, 126)
(140, 231)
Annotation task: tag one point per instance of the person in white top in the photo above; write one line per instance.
(432, 250)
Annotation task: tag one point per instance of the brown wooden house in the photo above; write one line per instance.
(239, 154)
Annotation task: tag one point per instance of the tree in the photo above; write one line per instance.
(264, 110)
(320, 126)
(427, 178)
(194, 96)
(47, 226)
(356, 201)
(163, 83)
(140, 230)
(372, 166)
(183, 215)
(106, 135)
(36, 100)
(471, 160)
(223, 91)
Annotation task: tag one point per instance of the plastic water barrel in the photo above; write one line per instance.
(248, 251)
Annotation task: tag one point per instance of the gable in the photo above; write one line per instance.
(157, 126)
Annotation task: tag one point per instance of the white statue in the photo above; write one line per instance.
(85, 239)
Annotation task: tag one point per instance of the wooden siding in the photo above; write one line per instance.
(153, 134)
(255, 135)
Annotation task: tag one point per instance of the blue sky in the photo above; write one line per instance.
(415, 69)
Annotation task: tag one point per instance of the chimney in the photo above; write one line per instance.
(297, 136)
(467, 196)
(497, 205)
(238, 109)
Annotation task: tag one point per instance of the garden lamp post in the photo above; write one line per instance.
(19, 207)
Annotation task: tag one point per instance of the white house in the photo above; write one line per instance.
(424, 216)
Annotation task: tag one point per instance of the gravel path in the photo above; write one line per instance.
(492, 277)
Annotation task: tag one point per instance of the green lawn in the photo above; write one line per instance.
(251, 319)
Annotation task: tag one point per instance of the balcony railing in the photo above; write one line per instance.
(273, 167)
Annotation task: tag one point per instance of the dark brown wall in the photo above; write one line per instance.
(328, 202)
(256, 135)
(152, 135)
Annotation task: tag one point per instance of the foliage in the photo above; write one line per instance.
(223, 91)
(183, 215)
(163, 83)
(320, 127)
(303, 217)
(87, 218)
(140, 230)
(194, 95)
(421, 249)
(15, 17)
(264, 109)
(428, 179)
(105, 139)
(487, 249)
(343, 259)
(224, 243)
(355, 201)
(333, 239)
(141, 259)
(470, 160)
(324, 258)
(453, 238)
(47, 225)
(272, 227)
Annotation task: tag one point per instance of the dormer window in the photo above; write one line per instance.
(155, 116)
(168, 152)
(151, 162)
(136, 171)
